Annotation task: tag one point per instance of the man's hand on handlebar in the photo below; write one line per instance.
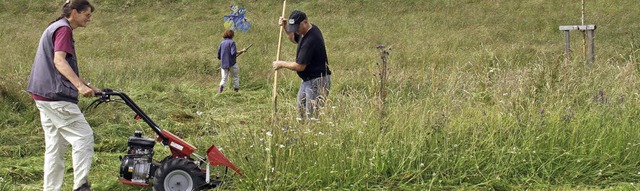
(86, 91)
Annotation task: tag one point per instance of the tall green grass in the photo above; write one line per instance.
(478, 95)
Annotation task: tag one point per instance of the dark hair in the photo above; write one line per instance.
(228, 34)
(70, 5)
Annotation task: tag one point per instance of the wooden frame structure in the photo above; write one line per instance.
(589, 31)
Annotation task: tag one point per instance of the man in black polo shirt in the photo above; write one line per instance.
(311, 63)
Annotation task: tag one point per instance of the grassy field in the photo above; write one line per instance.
(478, 95)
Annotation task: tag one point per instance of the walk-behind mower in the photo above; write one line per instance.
(184, 170)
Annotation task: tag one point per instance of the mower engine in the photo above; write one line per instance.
(137, 166)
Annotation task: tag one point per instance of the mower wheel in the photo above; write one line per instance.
(177, 174)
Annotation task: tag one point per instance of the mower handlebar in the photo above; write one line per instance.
(105, 92)
(105, 96)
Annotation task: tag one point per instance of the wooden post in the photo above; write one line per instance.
(582, 23)
(567, 47)
(584, 34)
(590, 38)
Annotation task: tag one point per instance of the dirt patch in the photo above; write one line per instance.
(182, 117)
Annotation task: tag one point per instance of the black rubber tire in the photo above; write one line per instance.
(178, 174)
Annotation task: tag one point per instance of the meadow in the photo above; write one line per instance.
(478, 95)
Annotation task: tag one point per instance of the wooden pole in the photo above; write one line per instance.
(582, 12)
(584, 34)
(275, 75)
(269, 166)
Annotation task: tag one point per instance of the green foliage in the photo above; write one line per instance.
(478, 94)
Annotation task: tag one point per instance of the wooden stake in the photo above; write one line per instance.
(582, 12)
(584, 34)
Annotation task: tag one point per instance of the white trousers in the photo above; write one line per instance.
(63, 124)
(234, 75)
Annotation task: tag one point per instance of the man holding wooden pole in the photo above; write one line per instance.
(311, 63)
